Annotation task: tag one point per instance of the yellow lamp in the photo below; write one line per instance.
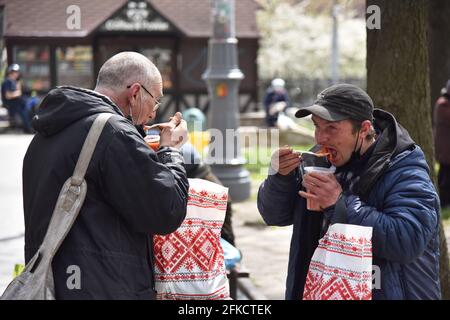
(199, 139)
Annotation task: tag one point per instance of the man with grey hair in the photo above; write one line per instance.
(133, 191)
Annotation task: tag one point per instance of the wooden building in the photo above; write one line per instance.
(60, 42)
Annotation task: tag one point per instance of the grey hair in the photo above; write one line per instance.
(126, 68)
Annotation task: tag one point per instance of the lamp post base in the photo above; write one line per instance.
(236, 178)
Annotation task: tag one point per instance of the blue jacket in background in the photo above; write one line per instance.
(394, 195)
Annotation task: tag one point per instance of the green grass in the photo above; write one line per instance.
(445, 215)
(258, 161)
(258, 158)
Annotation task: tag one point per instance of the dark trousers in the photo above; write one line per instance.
(444, 185)
(22, 111)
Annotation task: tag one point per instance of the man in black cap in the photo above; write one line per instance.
(382, 181)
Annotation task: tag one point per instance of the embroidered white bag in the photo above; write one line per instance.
(341, 267)
(189, 263)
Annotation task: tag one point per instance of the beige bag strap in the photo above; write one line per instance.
(88, 148)
(73, 192)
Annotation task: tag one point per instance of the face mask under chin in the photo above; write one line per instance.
(356, 154)
(130, 115)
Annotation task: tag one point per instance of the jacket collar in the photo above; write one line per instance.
(392, 140)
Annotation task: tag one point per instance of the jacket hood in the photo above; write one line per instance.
(65, 105)
(392, 140)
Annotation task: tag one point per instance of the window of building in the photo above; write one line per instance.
(75, 66)
(34, 66)
(162, 58)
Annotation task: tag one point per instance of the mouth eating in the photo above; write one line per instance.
(328, 152)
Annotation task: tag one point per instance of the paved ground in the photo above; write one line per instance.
(265, 249)
(12, 151)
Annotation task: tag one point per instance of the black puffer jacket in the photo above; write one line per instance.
(133, 193)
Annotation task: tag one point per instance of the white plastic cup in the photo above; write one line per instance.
(311, 204)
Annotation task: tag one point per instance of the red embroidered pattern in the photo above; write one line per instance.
(351, 275)
(326, 280)
(188, 277)
(348, 246)
(334, 288)
(220, 294)
(190, 258)
(204, 199)
(187, 248)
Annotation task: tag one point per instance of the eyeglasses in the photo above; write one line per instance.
(157, 103)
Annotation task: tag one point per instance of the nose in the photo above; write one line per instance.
(152, 114)
(321, 137)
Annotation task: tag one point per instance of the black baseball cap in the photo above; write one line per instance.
(340, 102)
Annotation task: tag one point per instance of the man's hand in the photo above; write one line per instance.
(323, 189)
(173, 133)
(285, 160)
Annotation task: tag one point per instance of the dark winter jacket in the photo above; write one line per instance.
(132, 194)
(441, 122)
(270, 98)
(394, 195)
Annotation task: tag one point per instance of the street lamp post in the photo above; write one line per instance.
(335, 44)
(223, 77)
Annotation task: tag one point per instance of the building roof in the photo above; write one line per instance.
(48, 18)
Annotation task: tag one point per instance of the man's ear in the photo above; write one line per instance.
(365, 128)
(133, 91)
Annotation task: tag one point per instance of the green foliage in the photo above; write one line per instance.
(445, 214)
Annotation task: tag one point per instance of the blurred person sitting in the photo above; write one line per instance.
(12, 97)
(276, 100)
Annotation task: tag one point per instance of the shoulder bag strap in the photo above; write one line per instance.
(72, 194)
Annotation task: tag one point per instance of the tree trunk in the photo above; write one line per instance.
(438, 46)
(398, 81)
